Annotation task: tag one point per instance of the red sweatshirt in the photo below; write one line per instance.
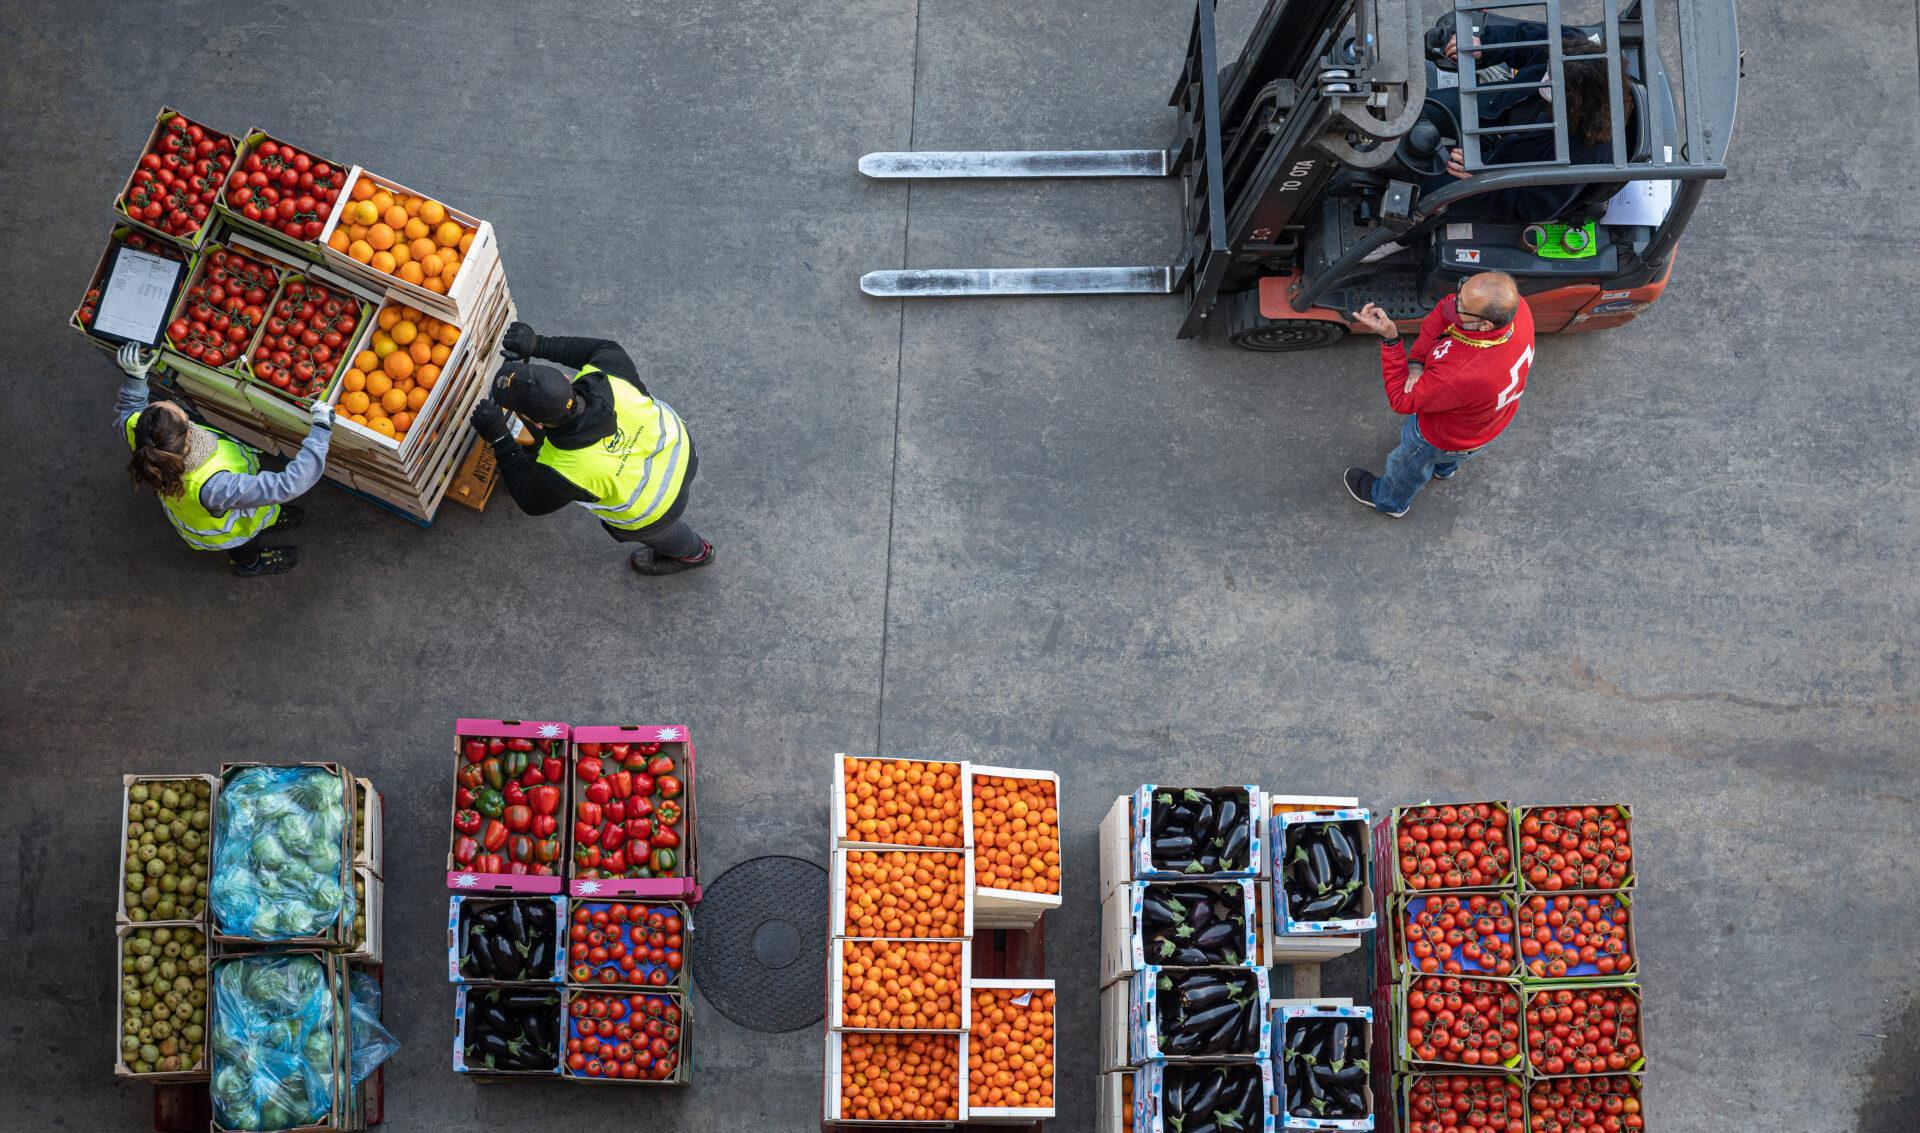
(1472, 383)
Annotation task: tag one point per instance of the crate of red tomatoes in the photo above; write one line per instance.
(1566, 936)
(220, 314)
(625, 1037)
(1456, 1023)
(312, 327)
(282, 193)
(176, 183)
(634, 831)
(509, 798)
(628, 945)
(1452, 846)
(1576, 847)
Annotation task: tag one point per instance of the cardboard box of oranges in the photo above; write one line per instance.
(901, 1078)
(1016, 838)
(901, 802)
(899, 985)
(1010, 1074)
(386, 235)
(901, 893)
(394, 378)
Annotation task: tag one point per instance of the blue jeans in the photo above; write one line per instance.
(1410, 466)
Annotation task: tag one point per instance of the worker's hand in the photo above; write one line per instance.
(518, 342)
(1453, 46)
(322, 413)
(1457, 163)
(1414, 370)
(490, 421)
(1373, 320)
(135, 361)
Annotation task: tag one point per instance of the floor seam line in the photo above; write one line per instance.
(899, 368)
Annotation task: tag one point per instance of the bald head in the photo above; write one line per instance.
(1492, 296)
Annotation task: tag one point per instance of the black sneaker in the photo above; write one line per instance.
(273, 560)
(289, 518)
(1360, 486)
(646, 562)
(1446, 475)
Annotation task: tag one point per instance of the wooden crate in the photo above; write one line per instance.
(481, 259)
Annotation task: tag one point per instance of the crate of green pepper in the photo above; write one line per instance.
(165, 837)
(509, 798)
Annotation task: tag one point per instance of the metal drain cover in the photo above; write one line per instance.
(761, 958)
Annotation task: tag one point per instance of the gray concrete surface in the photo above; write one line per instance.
(1031, 532)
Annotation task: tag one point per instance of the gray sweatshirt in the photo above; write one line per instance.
(226, 491)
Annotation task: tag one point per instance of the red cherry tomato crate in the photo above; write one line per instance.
(1476, 935)
(1574, 1030)
(1505, 1001)
(633, 785)
(642, 945)
(656, 1019)
(229, 289)
(1575, 1105)
(472, 865)
(1443, 1103)
(1604, 919)
(184, 217)
(323, 344)
(1600, 855)
(1413, 832)
(83, 315)
(282, 193)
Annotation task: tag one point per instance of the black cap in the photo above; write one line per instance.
(541, 394)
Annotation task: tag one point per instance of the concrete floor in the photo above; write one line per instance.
(1037, 533)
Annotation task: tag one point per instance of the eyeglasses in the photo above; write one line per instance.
(1462, 312)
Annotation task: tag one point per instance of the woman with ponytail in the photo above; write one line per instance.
(211, 485)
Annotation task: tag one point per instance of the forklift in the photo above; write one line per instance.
(1315, 168)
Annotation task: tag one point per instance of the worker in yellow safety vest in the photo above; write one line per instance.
(211, 485)
(601, 441)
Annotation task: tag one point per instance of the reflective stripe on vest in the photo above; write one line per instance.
(201, 528)
(636, 473)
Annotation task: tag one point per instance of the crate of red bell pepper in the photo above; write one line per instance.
(509, 798)
(633, 829)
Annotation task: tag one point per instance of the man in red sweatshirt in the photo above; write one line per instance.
(1460, 383)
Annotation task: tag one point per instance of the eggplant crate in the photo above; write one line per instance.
(1154, 1112)
(460, 913)
(1291, 1022)
(1276, 949)
(1166, 826)
(1150, 1030)
(470, 1000)
(1316, 849)
(1131, 941)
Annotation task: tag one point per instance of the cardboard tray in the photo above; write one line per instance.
(372, 949)
(682, 1069)
(1286, 1012)
(1143, 1018)
(1402, 1051)
(1014, 908)
(476, 262)
(680, 980)
(1624, 811)
(307, 250)
(455, 951)
(126, 784)
(349, 1110)
(675, 740)
(199, 1072)
(1141, 855)
(831, 1085)
(1628, 989)
(336, 937)
(371, 827)
(1385, 847)
(1123, 938)
(1277, 949)
(462, 993)
(1354, 822)
(1147, 1116)
(1402, 908)
(837, 808)
(1019, 1114)
(198, 238)
(1584, 972)
(836, 963)
(117, 237)
(837, 892)
(473, 880)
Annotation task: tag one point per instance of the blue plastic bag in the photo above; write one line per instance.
(372, 1043)
(279, 833)
(273, 1042)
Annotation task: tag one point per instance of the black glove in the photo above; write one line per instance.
(490, 421)
(519, 342)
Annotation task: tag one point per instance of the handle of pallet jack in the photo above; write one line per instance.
(1429, 207)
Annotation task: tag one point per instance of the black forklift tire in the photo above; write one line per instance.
(1251, 330)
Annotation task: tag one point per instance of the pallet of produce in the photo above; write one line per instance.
(1178, 924)
(1458, 1023)
(1442, 1103)
(219, 316)
(1576, 847)
(1113, 1111)
(369, 827)
(879, 803)
(280, 1043)
(163, 1003)
(282, 194)
(369, 933)
(1322, 872)
(620, 1037)
(1455, 846)
(1584, 1030)
(896, 1078)
(898, 985)
(1454, 934)
(282, 862)
(1324, 1061)
(1580, 1105)
(386, 235)
(508, 1032)
(1116, 1005)
(166, 835)
(1567, 936)
(1011, 1079)
(1277, 949)
(509, 798)
(173, 187)
(506, 939)
(127, 237)
(901, 894)
(1199, 1015)
(1190, 832)
(1016, 831)
(634, 832)
(618, 944)
(1185, 1097)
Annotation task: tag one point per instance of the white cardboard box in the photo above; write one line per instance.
(1012, 908)
(837, 806)
(1018, 1115)
(831, 1087)
(837, 888)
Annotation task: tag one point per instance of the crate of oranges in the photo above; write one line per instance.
(1010, 1068)
(901, 802)
(388, 236)
(395, 376)
(898, 985)
(902, 894)
(896, 1079)
(1016, 839)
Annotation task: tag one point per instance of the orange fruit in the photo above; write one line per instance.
(421, 352)
(447, 235)
(403, 331)
(433, 212)
(413, 315)
(381, 237)
(383, 426)
(355, 380)
(338, 241)
(400, 253)
(393, 401)
(383, 344)
(382, 261)
(354, 402)
(428, 374)
(397, 365)
(448, 334)
(366, 361)
(441, 351)
(358, 418)
(450, 273)
(356, 232)
(465, 242)
(413, 205)
(435, 284)
(416, 397)
(361, 250)
(378, 383)
(362, 189)
(364, 213)
(432, 264)
(402, 422)
(416, 228)
(395, 217)
(388, 316)
(410, 272)
(422, 248)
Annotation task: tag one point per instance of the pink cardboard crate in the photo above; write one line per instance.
(676, 741)
(468, 880)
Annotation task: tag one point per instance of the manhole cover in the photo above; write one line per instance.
(761, 956)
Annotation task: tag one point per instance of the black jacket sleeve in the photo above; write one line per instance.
(603, 353)
(535, 488)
